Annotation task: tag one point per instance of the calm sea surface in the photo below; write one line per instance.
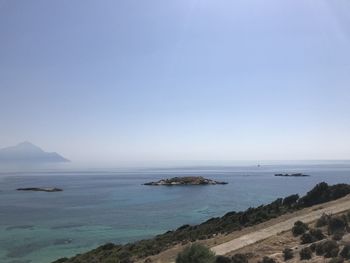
(114, 206)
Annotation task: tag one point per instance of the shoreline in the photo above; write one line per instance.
(210, 229)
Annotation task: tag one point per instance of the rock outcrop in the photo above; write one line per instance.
(293, 175)
(188, 180)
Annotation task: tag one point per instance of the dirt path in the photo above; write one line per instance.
(251, 238)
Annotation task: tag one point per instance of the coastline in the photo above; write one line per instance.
(143, 250)
(120, 190)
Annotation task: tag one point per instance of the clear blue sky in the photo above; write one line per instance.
(110, 81)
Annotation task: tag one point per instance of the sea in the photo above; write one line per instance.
(113, 205)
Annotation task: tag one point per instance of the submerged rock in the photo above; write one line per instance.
(187, 180)
(45, 189)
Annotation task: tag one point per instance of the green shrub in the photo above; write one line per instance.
(330, 248)
(323, 220)
(267, 260)
(327, 248)
(312, 236)
(305, 253)
(336, 260)
(299, 228)
(239, 258)
(337, 224)
(345, 253)
(290, 200)
(307, 238)
(319, 194)
(287, 254)
(338, 235)
(196, 253)
(223, 259)
(60, 260)
(313, 247)
(317, 234)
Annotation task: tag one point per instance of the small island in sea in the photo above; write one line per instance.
(39, 189)
(293, 175)
(186, 180)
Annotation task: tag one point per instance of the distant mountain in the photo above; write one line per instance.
(29, 153)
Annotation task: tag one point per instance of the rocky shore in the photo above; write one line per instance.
(187, 180)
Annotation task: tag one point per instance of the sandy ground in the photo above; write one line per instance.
(251, 238)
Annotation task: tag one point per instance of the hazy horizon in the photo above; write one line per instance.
(151, 81)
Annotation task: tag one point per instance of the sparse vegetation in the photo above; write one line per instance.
(196, 253)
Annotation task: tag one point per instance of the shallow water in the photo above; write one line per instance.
(114, 206)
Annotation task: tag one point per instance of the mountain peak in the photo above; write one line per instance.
(28, 152)
(28, 145)
(25, 143)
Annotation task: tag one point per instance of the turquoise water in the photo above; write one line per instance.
(114, 206)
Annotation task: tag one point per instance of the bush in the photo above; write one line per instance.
(345, 253)
(337, 224)
(307, 238)
(196, 253)
(287, 254)
(328, 248)
(107, 246)
(338, 235)
(336, 260)
(60, 260)
(290, 200)
(223, 259)
(323, 220)
(267, 260)
(319, 194)
(299, 228)
(313, 247)
(239, 258)
(124, 257)
(305, 253)
(317, 234)
(312, 236)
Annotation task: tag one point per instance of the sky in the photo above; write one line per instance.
(139, 81)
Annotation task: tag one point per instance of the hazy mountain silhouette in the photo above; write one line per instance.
(27, 152)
